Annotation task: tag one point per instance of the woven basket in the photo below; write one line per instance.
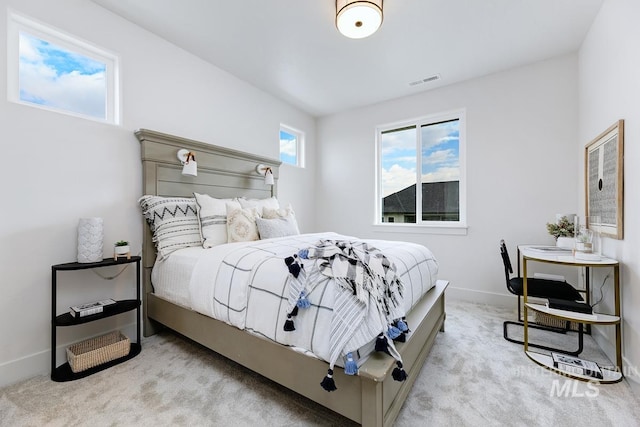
(96, 351)
(548, 320)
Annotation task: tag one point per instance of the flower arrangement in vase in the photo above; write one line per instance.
(563, 231)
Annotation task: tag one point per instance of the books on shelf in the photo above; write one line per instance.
(90, 308)
(547, 276)
(576, 306)
(550, 250)
(575, 365)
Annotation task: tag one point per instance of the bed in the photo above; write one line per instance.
(372, 397)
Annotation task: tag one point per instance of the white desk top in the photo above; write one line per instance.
(561, 256)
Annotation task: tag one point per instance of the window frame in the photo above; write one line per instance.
(421, 226)
(300, 136)
(17, 23)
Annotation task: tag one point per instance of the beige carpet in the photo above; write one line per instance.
(473, 377)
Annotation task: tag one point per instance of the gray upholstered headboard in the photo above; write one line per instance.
(222, 173)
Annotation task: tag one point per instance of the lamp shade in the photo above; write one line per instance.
(190, 168)
(268, 177)
(358, 19)
(189, 164)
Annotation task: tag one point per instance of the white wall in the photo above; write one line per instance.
(609, 89)
(522, 168)
(58, 168)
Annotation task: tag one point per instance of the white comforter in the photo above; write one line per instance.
(246, 285)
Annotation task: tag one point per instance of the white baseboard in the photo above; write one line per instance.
(632, 375)
(481, 297)
(607, 347)
(40, 363)
(25, 367)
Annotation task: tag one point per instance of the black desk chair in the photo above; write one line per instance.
(540, 288)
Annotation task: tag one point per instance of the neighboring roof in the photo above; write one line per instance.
(437, 197)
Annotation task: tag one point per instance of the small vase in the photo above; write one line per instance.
(90, 236)
(565, 242)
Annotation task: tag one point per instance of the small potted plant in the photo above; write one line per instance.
(563, 231)
(121, 249)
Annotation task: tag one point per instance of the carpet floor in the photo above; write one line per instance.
(472, 377)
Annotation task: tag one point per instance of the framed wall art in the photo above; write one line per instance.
(604, 189)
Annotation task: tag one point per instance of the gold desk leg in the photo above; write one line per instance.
(616, 283)
(524, 298)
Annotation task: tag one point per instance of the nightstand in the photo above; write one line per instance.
(64, 372)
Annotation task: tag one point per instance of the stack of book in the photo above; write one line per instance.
(575, 365)
(577, 306)
(89, 308)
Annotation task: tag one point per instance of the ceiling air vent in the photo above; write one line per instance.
(432, 78)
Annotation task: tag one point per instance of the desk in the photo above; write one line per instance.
(530, 253)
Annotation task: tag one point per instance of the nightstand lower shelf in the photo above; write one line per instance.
(546, 361)
(572, 316)
(64, 373)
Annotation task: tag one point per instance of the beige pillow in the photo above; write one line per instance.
(259, 204)
(270, 213)
(241, 224)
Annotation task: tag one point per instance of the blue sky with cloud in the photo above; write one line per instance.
(288, 148)
(57, 77)
(440, 156)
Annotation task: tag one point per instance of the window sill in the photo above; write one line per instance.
(455, 230)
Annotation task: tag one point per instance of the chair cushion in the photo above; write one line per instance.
(544, 288)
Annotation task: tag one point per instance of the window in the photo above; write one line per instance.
(291, 144)
(421, 171)
(52, 70)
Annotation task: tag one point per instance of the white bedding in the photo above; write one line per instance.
(245, 284)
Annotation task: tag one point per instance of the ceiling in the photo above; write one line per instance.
(292, 50)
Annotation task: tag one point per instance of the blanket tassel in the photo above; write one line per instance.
(402, 325)
(288, 324)
(294, 267)
(401, 338)
(382, 344)
(393, 332)
(398, 373)
(303, 301)
(328, 383)
(350, 366)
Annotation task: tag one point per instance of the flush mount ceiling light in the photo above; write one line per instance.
(358, 19)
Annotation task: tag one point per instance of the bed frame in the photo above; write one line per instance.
(371, 398)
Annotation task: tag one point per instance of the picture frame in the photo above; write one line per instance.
(604, 183)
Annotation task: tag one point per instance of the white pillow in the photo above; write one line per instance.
(173, 222)
(277, 227)
(212, 217)
(241, 224)
(269, 213)
(259, 204)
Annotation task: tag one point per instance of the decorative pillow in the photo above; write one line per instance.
(241, 224)
(173, 222)
(277, 227)
(212, 217)
(259, 204)
(268, 213)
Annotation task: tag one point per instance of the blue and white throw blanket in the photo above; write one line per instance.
(368, 299)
